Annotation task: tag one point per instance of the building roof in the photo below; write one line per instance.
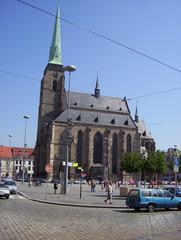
(89, 101)
(143, 130)
(106, 111)
(15, 152)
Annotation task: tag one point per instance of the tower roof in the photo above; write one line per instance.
(55, 49)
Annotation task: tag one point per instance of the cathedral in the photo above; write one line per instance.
(97, 130)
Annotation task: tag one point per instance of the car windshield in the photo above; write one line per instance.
(10, 183)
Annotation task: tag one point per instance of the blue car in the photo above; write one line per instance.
(151, 199)
(176, 191)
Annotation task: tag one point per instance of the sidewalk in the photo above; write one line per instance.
(74, 197)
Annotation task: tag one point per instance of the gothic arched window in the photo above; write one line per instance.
(79, 148)
(54, 85)
(114, 154)
(97, 157)
(128, 143)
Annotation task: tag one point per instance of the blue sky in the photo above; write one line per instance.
(151, 27)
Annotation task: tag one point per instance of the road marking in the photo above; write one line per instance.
(16, 196)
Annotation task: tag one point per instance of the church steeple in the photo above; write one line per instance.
(55, 49)
(97, 89)
(136, 115)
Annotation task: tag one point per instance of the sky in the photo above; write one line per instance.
(150, 27)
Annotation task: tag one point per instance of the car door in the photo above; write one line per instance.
(169, 201)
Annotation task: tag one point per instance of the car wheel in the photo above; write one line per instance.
(7, 197)
(179, 206)
(151, 207)
(137, 209)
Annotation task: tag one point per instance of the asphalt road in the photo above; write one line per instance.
(22, 219)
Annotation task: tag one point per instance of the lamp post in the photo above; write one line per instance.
(68, 69)
(10, 145)
(25, 145)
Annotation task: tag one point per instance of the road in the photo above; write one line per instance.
(22, 219)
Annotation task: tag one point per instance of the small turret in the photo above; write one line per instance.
(97, 89)
(136, 115)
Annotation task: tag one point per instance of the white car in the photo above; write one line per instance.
(11, 185)
(4, 191)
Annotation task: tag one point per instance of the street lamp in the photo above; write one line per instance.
(106, 165)
(10, 145)
(68, 69)
(25, 145)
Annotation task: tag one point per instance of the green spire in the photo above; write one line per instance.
(55, 49)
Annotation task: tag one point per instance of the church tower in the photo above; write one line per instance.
(52, 85)
(52, 93)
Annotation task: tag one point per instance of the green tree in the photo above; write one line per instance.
(132, 162)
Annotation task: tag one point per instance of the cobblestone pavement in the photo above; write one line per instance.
(22, 219)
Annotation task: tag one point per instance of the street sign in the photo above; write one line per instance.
(49, 168)
(176, 164)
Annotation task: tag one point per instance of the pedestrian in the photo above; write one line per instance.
(55, 187)
(109, 193)
(93, 185)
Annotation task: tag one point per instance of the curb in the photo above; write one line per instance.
(71, 204)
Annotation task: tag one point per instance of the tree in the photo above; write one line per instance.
(132, 162)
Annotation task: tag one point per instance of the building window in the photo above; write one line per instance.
(17, 162)
(29, 168)
(114, 154)
(29, 162)
(79, 148)
(98, 140)
(54, 85)
(128, 143)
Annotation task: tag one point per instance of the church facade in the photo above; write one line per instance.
(97, 129)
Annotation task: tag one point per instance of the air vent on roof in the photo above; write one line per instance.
(91, 105)
(75, 103)
(107, 107)
(113, 121)
(144, 133)
(120, 109)
(78, 118)
(96, 119)
(126, 122)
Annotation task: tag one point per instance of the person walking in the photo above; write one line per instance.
(109, 193)
(55, 187)
(93, 185)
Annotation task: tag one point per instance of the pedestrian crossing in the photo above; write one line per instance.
(16, 196)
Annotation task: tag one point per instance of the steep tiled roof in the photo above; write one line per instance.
(105, 111)
(11, 152)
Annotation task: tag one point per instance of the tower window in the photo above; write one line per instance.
(54, 85)
(55, 74)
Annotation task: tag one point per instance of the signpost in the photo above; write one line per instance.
(48, 169)
(175, 168)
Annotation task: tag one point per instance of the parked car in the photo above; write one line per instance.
(11, 185)
(151, 199)
(4, 191)
(176, 191)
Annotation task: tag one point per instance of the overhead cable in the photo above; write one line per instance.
(104, 37)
